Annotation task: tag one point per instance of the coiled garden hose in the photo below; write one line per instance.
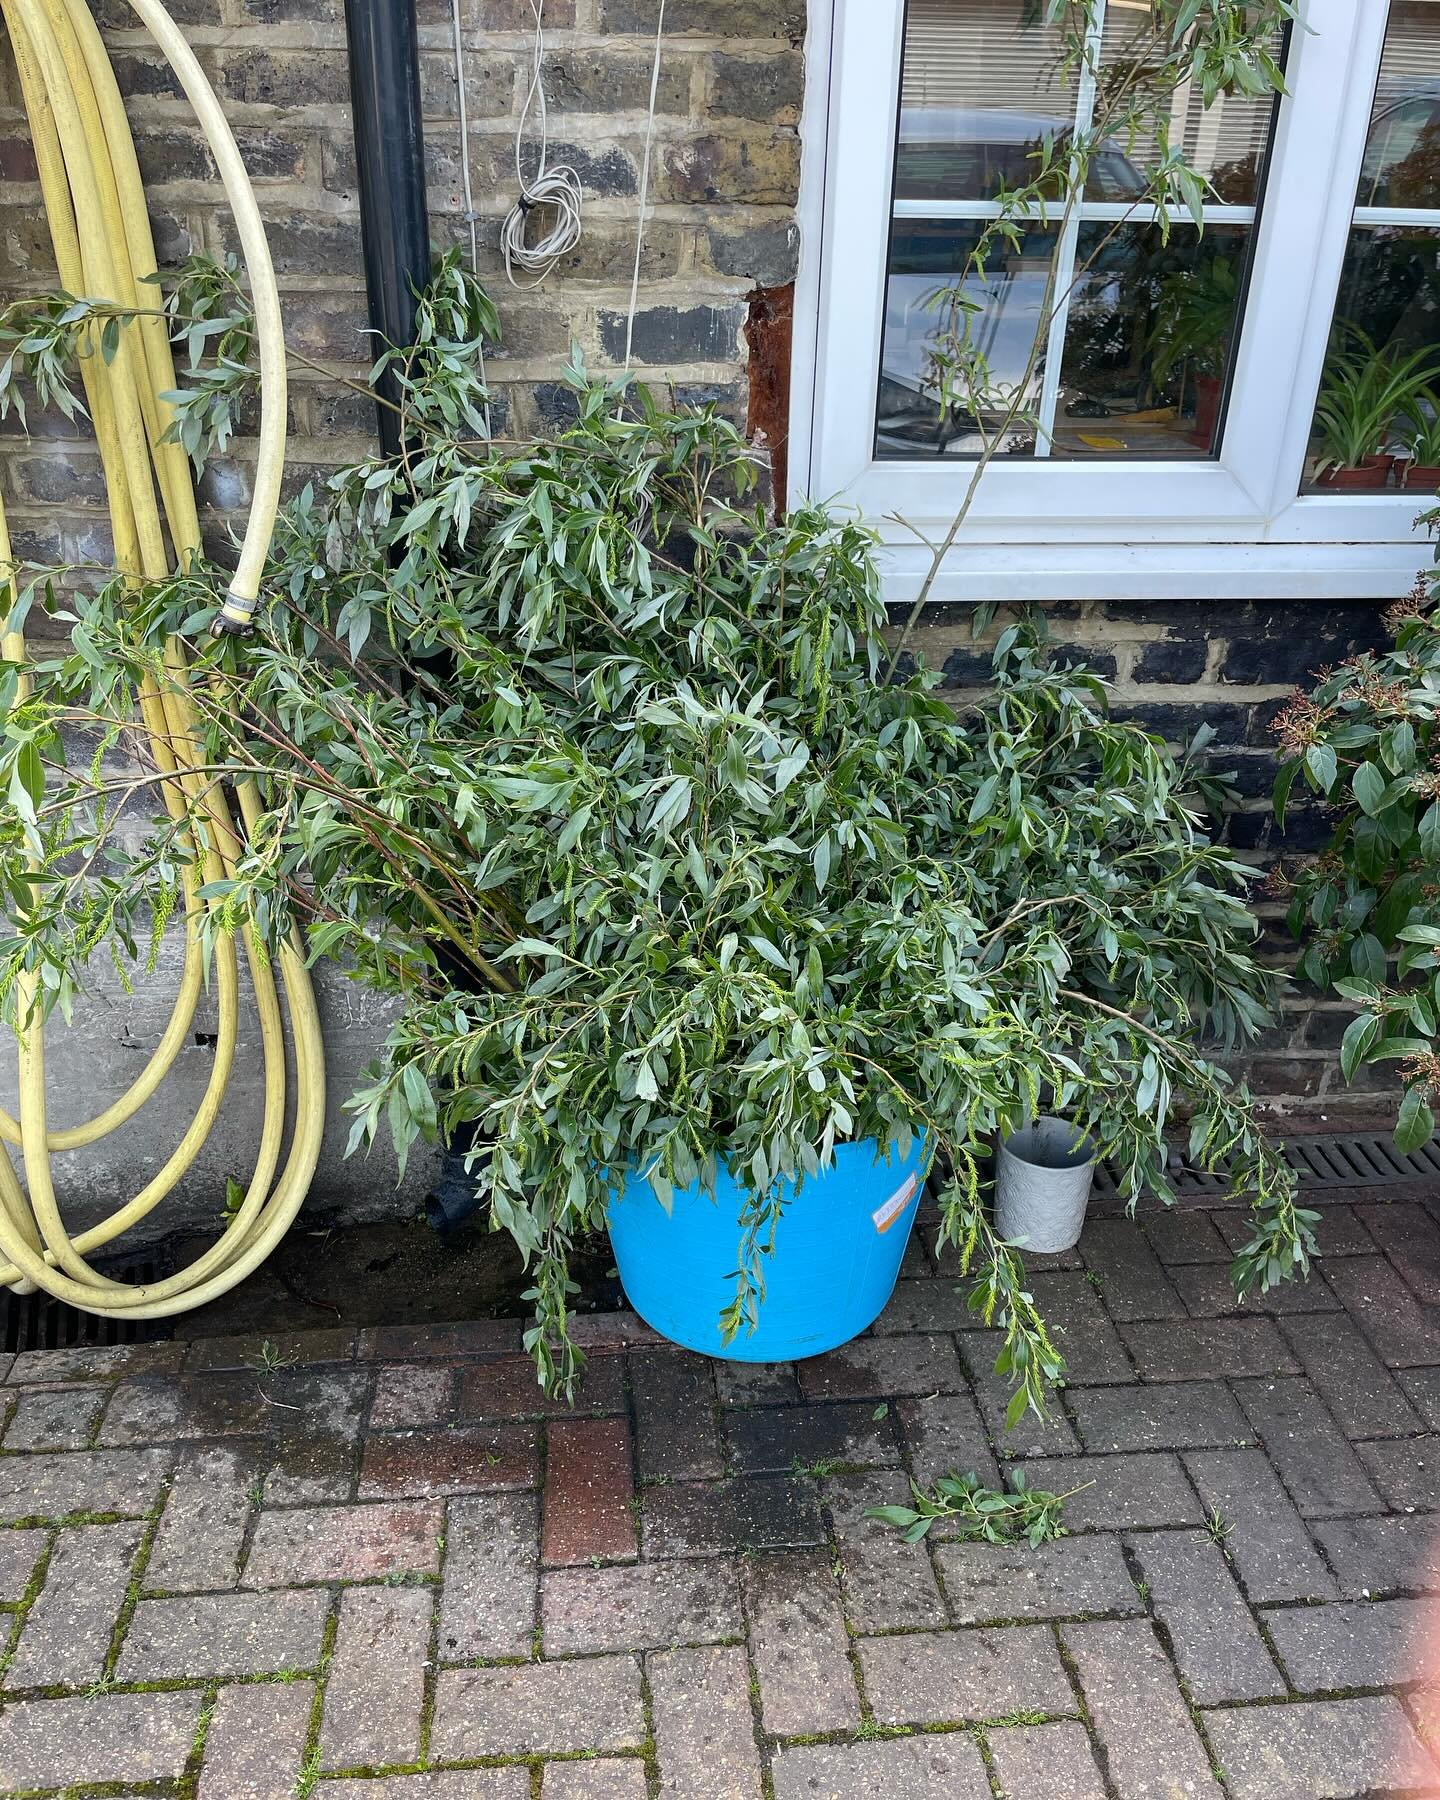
(95, 204)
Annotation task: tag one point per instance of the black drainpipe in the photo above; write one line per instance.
(395, 232)
(390, 159)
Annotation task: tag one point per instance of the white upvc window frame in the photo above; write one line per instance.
(1235, 526)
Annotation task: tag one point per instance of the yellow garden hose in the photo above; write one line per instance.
(95, 204)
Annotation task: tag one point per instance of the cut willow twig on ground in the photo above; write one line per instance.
(973, 1513)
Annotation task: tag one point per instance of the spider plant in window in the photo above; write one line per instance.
(1422, 440)
(1363, 391)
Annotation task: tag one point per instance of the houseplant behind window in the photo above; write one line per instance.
(1364, 392)
(1422, 441)
(1190, 338)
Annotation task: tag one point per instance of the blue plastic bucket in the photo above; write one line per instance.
(838, 1249)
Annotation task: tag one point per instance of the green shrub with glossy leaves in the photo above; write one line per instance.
(585, 758)
(1367, 910)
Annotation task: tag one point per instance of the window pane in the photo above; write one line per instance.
(1149, 340)
(1402, 158)
(927, 286)
(980, 88)
(1382, 379)
(1147, 344)
(1225, 142)
(1391, 285)
(1377, 416)
(983, 83)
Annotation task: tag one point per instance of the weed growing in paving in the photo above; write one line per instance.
(272, 1359)
(1217, 1527)
(309, 1775)
(820, 1468)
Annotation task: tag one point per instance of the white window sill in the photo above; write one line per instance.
(1015, 571)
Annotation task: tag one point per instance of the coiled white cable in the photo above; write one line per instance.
(554, 192)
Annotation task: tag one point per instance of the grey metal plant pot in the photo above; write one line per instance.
(1042, 1185)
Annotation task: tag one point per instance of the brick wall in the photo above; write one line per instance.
(724, 175)
(724, 179)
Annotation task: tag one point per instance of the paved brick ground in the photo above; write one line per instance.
(387, 1569)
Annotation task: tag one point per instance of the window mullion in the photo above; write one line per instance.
(1117, 212)
(1067, 247)
(1319, 147)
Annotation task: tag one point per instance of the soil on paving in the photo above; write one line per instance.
(396, 1273)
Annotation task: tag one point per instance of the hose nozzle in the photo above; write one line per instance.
(236, 617)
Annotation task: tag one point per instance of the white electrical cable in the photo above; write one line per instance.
(464, 131)
(555, 191)
(644, 184)
(470, 214)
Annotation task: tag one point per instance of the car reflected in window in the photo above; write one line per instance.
(1402, 157)
(947, 151)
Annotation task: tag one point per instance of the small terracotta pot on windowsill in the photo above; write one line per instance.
(1207, 411)
(1372, 473)
(1424, 476)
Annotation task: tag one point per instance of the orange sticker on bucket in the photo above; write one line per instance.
(886, 1215)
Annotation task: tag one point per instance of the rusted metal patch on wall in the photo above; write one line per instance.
(769, 328)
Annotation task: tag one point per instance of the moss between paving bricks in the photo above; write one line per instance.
(136, 1585)
(21, 1612)
(1082, 1708)
(648, 1747)
(190, 1775)
(59, 1521)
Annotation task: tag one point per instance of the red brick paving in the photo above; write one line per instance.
(346, 1543)
(482, 1459)
(507, 1389)
(588, 1492)
(467, 1592)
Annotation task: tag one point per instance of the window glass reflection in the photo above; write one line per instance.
(1377, 414)
(1402, 157)
(981, 87)
(1225, 143)
(1147, 342)
(927, 295)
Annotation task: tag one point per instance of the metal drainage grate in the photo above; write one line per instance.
(38, 1322)
(1368, 1160)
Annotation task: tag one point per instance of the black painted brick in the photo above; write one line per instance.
(1172, 660)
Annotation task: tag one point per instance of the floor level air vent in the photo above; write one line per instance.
(37, 1322)
(1367, 1160)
